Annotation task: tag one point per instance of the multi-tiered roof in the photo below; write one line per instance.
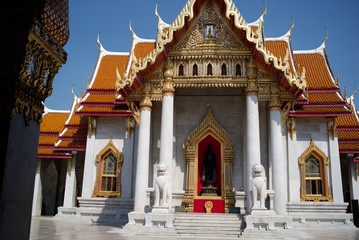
(306, 74)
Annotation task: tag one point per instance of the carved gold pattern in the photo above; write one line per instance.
(223, 36)
(291, 126)
(332, 127)
(209, 126)
(41, 63)
(168, 87)
(275, 103)
(146, 104)
(324, 162)
(92, 126)
(134, 109)
(109, 148)
(208, 206)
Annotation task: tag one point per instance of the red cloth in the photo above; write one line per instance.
(218, 205)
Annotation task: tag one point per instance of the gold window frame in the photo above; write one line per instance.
(109, 148)
(326, 195)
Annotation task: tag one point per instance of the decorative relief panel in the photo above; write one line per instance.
(210, 19)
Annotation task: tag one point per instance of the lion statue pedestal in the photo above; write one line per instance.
(260, 216)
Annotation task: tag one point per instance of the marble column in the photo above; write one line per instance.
(166, 146)
(70, 184)
(279, 164)
(293, 166)
(353, 168)
(143, 151)
(252, 130)
(334, 166)
(37, 198)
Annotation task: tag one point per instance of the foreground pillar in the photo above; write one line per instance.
(70, 185)
(252, 128)
(279, 164)
(166, 148)
(37, 199)
(143, 151)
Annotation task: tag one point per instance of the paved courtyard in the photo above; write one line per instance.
(53, 229)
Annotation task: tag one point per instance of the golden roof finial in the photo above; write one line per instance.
(326, 36)
(292, 27)
(337, 80)
(265, 8)
(345, 93)
(73, 90)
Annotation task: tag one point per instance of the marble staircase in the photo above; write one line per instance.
(208, 225)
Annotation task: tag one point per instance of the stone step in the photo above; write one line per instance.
(208, 225)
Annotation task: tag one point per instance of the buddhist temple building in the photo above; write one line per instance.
(203, 119)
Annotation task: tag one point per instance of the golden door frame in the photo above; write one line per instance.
(209, 126)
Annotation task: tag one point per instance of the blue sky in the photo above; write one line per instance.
(110, 18)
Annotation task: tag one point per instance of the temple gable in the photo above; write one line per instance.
(210, 29)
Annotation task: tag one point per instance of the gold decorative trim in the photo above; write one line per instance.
(332, 128)
(324, 163)
(109, 148)
(146, 104)
(291, 127)
(92, 126)
(209, 126)
(275, 103)
(41, 63)
(168, 86)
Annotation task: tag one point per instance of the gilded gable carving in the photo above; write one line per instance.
(222, 34)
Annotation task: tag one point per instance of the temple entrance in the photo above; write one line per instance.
(209, 154)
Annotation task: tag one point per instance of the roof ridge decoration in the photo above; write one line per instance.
(256, 38)
(261, 18)
(128, 78)
(75, 104)
(49, 110)
(161, 24)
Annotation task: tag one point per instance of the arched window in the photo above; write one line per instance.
(180, 70)
(209, 70)
(224, 70)
(238, 70)
(108, 180)
(314, 175)
(195, 70)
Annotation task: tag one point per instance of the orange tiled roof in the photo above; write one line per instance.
(106, 75)
(50, 127)
(53, 122)
(100, 98)
(142, 49)
(324, 97)
(349, 147)
(317, 74)
(71, 145)
(330, 110)
(347, 121)
(348, 135)
(75, 133)
(107, 110)
(48, 139)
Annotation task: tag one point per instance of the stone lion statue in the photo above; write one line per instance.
(162, 186)
(258, 186)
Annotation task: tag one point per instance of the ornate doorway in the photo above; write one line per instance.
(209, 154)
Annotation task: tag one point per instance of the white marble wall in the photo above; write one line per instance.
(109, 128)
(306, 130)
